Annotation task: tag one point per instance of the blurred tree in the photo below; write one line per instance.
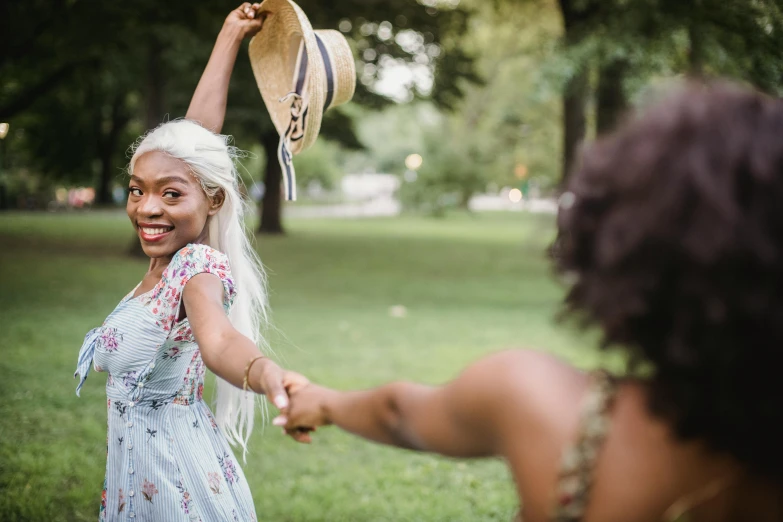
(52, 49)
(33, 57)
(631, 41)
(579, 17)
(502, 126)
(608, 51)
(452, 173)
(510, 118)
(319, 166)
(78, 132)
(83, 72)
(399, 33)
(82, 76)
(390, 135)
(72, 76)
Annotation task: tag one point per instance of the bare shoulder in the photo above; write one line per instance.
(203, 285)
(529, 376)
(202, 300)
(521, 358)
(527, 396)
(536, 400)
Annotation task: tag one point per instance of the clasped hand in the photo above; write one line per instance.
(247, 18)
(305, 411)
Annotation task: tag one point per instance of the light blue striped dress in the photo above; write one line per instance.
(167, 459)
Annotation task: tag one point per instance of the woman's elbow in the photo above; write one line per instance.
(213, 348)
(396, 415)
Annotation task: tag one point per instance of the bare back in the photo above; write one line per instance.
(640, 473)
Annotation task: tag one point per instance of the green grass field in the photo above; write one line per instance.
(470, 284)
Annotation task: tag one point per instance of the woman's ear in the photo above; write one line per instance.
(216, 201)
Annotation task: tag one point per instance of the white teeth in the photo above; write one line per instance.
(154, 231)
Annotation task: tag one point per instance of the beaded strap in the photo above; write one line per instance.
(576, 469)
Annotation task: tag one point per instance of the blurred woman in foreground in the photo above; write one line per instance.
(671, 238)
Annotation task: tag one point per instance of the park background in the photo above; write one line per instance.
(419, 243)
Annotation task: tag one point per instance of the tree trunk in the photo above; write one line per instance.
(154, 85)
(464, 199)
(107, 146)
(574, 122)
(612, 102)
(154, 111)
(271, 205)
(4, 205)
(696, 51)
(104, 196)
(577, 18)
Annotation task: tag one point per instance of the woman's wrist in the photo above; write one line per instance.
(256, 375)
(232, 32)
(328, 404)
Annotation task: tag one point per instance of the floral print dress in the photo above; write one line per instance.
(167, 459)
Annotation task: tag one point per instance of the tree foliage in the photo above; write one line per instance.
(510, 82)
(509, 119)
(107, 70)
(611, 49)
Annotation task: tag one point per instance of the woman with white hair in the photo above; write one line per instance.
(201, 304)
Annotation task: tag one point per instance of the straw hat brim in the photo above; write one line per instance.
(342, 65)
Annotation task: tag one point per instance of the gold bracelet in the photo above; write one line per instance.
(245, 385)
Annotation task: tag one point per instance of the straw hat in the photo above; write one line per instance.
(301, 73)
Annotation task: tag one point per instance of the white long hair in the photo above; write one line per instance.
(212, 161)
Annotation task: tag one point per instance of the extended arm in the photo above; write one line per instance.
(496, 402)
(225, 351)
(464, 418)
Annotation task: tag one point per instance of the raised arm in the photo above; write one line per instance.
(208, 105)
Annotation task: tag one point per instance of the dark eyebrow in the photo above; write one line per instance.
(172, 179)
(164, 180)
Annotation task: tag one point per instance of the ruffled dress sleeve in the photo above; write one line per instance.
(188, 262)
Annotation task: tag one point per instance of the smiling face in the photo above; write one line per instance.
(166, 204)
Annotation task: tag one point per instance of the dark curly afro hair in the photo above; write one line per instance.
(671, 231)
